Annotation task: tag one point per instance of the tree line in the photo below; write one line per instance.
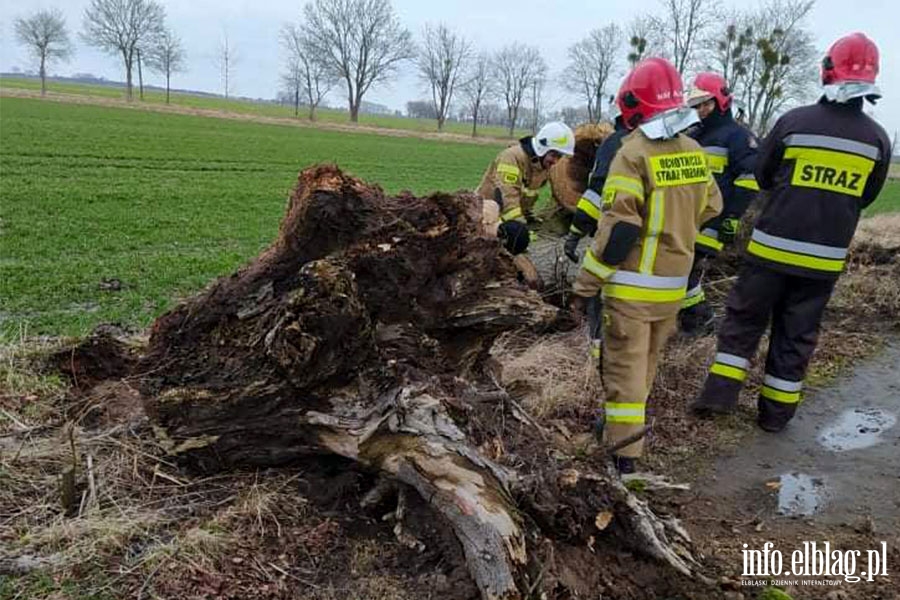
(766, 53)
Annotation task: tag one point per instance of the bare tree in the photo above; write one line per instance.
(591, 62)
(120, 27)
(731, 51)
(683, 27)
(477, 88)
(167, 57)
(515, 68)
(307, 74)
(778, 60)
(538, 82)
(441, 60)
(45, 35)
(361, 40)
(226, 61)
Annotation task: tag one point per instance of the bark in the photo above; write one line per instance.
(364, 331)
(43, 74)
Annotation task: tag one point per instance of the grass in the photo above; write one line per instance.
(253, 108)
(888, 201)
(163, 203)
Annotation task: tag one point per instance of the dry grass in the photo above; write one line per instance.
(881, 230)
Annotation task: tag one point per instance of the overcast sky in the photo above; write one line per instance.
(253, 25)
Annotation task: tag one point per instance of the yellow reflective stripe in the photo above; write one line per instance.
(509, 173)
(627, 185)
(512, 214)
(655, 219)
(588, 208)
(831, 158)
(748, 183)
(575, 230)
(595, 351)
(716, 163)
(596, 267)
(794, 259)
(779, 396)
(705, 240)
(694, 300)
(830, 170)
(625, 412)
(639, 294)
(530, 193)
(507, 168)
(728, 371)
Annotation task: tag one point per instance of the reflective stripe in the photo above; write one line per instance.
(716, 150)
(833, 143)
(512, 214)
(733, 360)
(628, 185)
(530, 193)
(588, 208)
(625, 412)
(596, 267)
(595, 349)
(655, 282)
(575, 230)
(797, 260)
(655, 218)
(728, 371)
(592, 197)
(705, 240)
(819, 250)
(782, 385)
(694, 296)
(507, 168)
(710, 232)
(636, 294)
(747, 181)
(779, 396)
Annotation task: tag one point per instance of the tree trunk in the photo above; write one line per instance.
(440, 122)
(312, 112)
(168, 75)
(364, 331)
(140, 75)
(296, 101)
(43, 75)
(475, 122)
(129, 91)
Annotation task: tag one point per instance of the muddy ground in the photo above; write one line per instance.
(146, 528)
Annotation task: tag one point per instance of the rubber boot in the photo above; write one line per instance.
(707, 406)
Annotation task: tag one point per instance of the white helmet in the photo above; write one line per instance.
(554, 136)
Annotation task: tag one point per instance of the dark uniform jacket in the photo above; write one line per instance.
(731, 151)
(592, 200)
(823, 163)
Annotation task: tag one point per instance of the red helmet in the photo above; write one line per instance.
(711, 85)
(652, 87)
(854, 57)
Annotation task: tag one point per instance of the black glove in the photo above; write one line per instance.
(728, 229)
(571, 248)
(515, 236)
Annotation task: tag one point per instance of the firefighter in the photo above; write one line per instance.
(584, 223)
(821, 164)
(731, 154)
(512, 182)
(514, 178)
(659, 191)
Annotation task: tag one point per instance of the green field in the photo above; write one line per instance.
(164, 203)
(254, 108)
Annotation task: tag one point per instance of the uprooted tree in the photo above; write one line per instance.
(364, 331)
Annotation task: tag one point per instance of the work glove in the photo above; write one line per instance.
(515, 236)
(571, 248)
(728, 229)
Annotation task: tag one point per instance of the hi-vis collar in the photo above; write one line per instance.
(667, 125)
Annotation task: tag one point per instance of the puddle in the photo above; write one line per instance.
(856, 429)
(800, 495)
